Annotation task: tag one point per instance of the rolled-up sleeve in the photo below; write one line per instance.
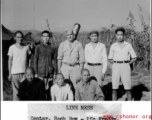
(132, 52)
(60, 52)
(81, 54)
(111, 53)
(99, 93)
(105, 61)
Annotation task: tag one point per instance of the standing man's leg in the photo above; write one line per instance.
(126, 79)
(74, 74)
(115, 80)
(65, 70)
(91, 69)
(98, 74)
(114, 94)
(49, 83)
(16, 80)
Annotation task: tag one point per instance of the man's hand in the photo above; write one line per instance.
(36, 75)
(10, 77)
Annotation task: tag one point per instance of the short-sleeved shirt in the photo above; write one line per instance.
(32, 90)
(61, 93)
(88, 92)
(19, 62)
(73, 54)
(122, 53)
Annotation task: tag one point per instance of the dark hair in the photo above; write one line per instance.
(19, 32)
(94, 32)
(49, 33)
(120, 29)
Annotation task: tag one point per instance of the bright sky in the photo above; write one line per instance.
(62, 14)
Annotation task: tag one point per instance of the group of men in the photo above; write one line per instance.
(80, 71)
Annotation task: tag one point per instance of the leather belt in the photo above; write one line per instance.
(94, 64)
(121, 61)
(69, 64)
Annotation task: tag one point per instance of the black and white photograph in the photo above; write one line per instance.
(76, 50)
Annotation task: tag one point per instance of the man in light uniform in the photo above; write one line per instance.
(96, 57)
(119, 56)
(70, 58)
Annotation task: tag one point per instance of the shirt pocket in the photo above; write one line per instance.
(65, 51)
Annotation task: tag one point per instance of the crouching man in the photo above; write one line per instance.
(31, 88)
(61, 91)
(88, 88)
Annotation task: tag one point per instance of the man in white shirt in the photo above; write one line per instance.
(96, 57)
(17, 63)
(61, 91)
(119, 56)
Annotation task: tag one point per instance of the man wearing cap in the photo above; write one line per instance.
(70, 58)
(119, 56)
(96, 57)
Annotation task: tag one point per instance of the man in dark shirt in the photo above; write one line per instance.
(31, 88)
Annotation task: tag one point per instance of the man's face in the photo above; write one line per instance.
(18, 38)
(45, 38)
(85, 76)
(94, 38)
(60, 80)
(119, 36)
(70, 36)
(29, 75)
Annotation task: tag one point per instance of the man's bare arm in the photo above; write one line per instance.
(59, 66)
(132, 60)
(10, 67)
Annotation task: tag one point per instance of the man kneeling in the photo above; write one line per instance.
(88, 88)
(61, 91)
(31, 88)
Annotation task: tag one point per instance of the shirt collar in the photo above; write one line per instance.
(125, 43)
(97, 43)
(61, 86)
(75, 42)
(82, 84)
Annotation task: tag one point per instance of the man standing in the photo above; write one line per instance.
(17, 63)
(119, 56)
(96, 57)
(70, 58)
(88, 88)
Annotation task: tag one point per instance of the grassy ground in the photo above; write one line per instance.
(139, 76)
